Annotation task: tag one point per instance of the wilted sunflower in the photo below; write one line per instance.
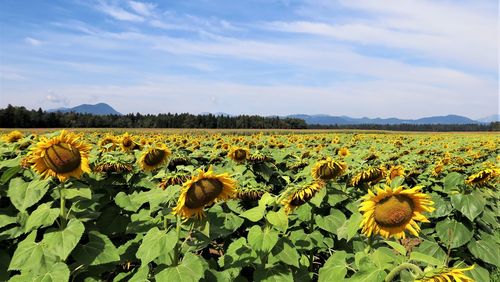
(392, 211)
(176, 178)
(107, 143)
(328, 169)
(127, 143)
(62, 156)
(299, 195)
(483, 177)
(446, 274)
(369, 176)
(13, 136)
(238, 154)
(252, 191)
(394, 172)
(203, 190)
(154, 156)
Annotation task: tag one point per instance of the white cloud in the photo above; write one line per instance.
(32, 41)
(118, 13)
(145, 9)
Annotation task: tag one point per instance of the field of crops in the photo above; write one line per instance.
(249, 206)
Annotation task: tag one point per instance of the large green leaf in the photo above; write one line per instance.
(43, 216)
(154, 243)
(452, 181)
(453, 233)
(254, 214)
(350, 227)
(25, 194)
(278, 219)
(284, 251)
(479, 274)
(273, 274)
(335, 268)
(332, 222)
(99, 250)
(262, 240)
(470, 205)
(31, 256)
(61, 243)
(189, 270)
(485, 250)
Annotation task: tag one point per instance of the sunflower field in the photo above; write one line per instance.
(249, 206)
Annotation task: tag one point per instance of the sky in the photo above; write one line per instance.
(360, 58)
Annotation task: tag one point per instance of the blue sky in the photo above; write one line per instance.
(404, 59)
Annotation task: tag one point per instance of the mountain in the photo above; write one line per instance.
(491, 118)
(342, 120)
(97, 109)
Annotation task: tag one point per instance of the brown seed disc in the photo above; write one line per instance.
(62, 158)
(154, 157)
(202, 192)
(394, 211)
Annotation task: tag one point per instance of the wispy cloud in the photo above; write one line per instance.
(118, 13)
(32, 41)
(145, 9)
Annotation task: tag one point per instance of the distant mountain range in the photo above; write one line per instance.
(105, 109)
(97, 109)
(343, 120)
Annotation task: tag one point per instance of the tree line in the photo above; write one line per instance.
(20, 117)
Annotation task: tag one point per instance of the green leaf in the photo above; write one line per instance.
(254, 214)
(32, 256)
(9, 173)
(61, 243)
(470, 205)
(318, 198)
(141, 275)
(238, 254)
(425, 258)
(285, 251)
(273, 274)
(43, 216)
(350, 227)
(262, 240)
(335, 268)
(452, 181)
(485, 250)
(99, 250)
(479, 274)
(57, 273)
(25, 194)
(278, 219)
(6, 220)
(332, 222)
(453, 233)
(189, 270)
(398, 247)
(368, 275)
(432, 249)
(154, 243)
(443, 208)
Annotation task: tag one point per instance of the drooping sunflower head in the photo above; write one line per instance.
(252, 191)
(176, 178)
(202, 190)
(114, 162)
(127, 143)
(298, 195)
(482, 177)
(61, 156)
(446, 274)
(238, 154)
(13, 136)
(394, 172)
(390, 211)
(107, 143)
(257, 157)
(369, 176)
(154, 156)
(328, 169)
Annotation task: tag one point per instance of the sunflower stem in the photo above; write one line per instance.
(395, 272)
(177, 245)
(62, 201)
(311, 253)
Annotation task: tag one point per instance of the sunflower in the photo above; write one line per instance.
(392, 211)
(483, 177)
(238, 154)
(252, 191)
(344, 152)
(369, 176)
(173, 179)
(107, 143)
(13, 136)
(154, 156)
(299, 195)
(446, 274)
(62, 156)
(328, 169)
(394, 172)
(127, 143)
(203, 190)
